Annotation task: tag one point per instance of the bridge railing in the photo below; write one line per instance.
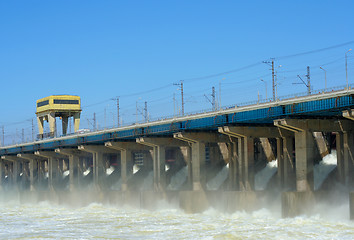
(210, 110)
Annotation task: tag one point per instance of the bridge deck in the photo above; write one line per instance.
(319, 105)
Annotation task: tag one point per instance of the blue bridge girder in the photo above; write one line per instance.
(322, 105)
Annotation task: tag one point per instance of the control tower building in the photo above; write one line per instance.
(62, 106)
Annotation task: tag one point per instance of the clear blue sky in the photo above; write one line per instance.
(103, 49)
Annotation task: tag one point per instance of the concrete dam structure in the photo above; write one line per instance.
(198, 161)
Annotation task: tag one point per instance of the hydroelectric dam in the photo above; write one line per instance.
(197, 161)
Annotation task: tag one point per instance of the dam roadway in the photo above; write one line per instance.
(182, 155)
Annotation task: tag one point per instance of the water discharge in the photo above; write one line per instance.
(178, 179)
(263, 176)
(219, 179)
(44, 220)
(324, 168)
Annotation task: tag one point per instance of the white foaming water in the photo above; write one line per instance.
(324, 168)
(136, 168)
(178, 179)
(109, 170)
(219, 179)
(97, 221)
(87, 172)
(66, 173)
(263, 177)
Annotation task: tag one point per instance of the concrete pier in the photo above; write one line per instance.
(74, 176)
(306, 154)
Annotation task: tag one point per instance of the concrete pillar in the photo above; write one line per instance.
(240, 165)
(246, 151)
(52, 124)
(76, 121)
(15, 172)
(159, 168)
(126, 159)
(53, 167)
(40, 121)
(305, 152)
(73, 167)
(196, 200)
(198, 165)
(197, 142)
(289, 166)
(187, 155)
(53, 172)
(159, 158)
(248, 163)
(99, 164)
(233, 167)
(286, 167)
(99, 169)
(33, 170)
(280, 157)
(126, 150)
(340, 157)
(348, 154)
(73, 156)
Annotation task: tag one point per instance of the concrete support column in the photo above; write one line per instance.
(126, 160)
(34, 173)
(15, 172)
(53, 167)
(289, 167)
(305, 153)
(76, 121)
(348, 154)
(280, 157)
(73, 170)
(233, 167)
(340, 157)
(187, 155)
(198, 165)
(52, 124)
(99, 163)
(40, 121)
(74, 175)
(53, 172)
(159, 168)
(33, 169)
(126, 152)
(240, 159)
(248, 163)
(98, 169)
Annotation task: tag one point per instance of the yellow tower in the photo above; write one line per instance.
(63, 106)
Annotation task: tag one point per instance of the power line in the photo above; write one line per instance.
(222, 73)
(315, 51)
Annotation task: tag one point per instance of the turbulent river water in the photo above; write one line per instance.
(46, 220)
(96, 221)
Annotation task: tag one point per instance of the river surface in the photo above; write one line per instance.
(46, 220)
(96, 221)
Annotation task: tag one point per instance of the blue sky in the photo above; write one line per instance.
(103, 49)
